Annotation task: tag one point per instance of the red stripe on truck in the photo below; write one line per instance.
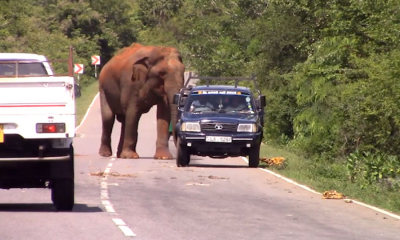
(10, 106)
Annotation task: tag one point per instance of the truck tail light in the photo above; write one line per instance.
(50, 127)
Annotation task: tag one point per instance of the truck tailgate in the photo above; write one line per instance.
(36, 95)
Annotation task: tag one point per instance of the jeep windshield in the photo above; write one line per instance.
(219, 102)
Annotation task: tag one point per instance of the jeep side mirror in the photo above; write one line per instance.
(176, 99)
(183, 101)
(77, 90)
(263, 101)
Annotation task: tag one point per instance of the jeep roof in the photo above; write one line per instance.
(189, 88)
(221, 88)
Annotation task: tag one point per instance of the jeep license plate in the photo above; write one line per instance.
(218, 139)
(1, 133)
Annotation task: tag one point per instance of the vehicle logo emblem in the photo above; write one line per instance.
(218, 126)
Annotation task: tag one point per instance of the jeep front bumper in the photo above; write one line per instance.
(240, 144)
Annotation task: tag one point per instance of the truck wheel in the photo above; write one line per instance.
(254, 156)
(62, 191)
(183, 156)
(62, 194)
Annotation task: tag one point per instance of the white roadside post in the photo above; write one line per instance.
(95, 62)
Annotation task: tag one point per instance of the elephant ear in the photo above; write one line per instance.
(140, 70)
(146, 59)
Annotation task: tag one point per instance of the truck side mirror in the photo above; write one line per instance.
(77, 90)
(176, 99)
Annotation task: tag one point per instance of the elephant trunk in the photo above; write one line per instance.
(173, 107)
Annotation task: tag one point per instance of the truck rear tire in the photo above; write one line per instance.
(183, 156)
(62, 191)
(62, 194)
(254, 156)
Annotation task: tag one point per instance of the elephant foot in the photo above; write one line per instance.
(128, 154)
(105, 151)
(163, 153)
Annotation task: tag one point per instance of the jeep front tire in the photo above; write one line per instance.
(254, 156)
(183, 156)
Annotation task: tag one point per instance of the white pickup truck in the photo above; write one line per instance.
(37, 126)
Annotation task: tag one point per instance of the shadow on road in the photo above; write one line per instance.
(44, 207)
(217, 166)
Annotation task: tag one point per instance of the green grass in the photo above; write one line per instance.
(83, 102)
(323, 176)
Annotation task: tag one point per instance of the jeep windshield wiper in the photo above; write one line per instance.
(204, 111)
(240, 111)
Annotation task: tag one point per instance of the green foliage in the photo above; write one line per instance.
(156, 12)
(367, 168)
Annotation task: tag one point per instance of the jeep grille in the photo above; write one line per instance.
(216, 127)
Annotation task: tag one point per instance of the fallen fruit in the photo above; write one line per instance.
(273, 161)
(332, 194)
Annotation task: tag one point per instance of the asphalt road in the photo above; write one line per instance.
(153, 199)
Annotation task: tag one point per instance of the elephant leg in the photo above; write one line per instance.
(130, 136)
(121, 119)
(163, 121)
(108, 119)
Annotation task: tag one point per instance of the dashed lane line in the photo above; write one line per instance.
(313, 191)
(121, 224)
(104, 185)
(127, 231)
(109, 206)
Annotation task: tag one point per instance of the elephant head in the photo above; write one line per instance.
(161, 71)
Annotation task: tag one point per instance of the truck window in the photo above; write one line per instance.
(24, 69)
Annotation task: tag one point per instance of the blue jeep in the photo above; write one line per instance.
(219, 121)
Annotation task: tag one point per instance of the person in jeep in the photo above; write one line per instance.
(236, 104)
(201, 103)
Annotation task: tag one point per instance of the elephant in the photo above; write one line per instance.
(134, 80)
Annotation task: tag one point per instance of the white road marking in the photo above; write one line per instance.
(118, 222)
(127, 231)
(313, 191)
(104, 192)
(109, 209)
(87, 111)
(108, 205)
(197, 184)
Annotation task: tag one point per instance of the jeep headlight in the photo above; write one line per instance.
(190, 127)
(247, 127)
